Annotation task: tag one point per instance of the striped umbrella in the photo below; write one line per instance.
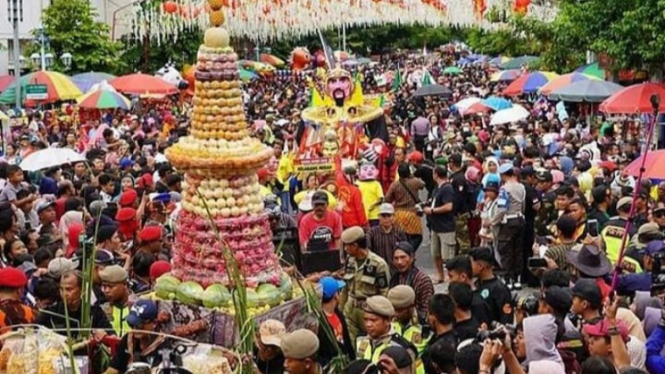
(59, 87)
(591, 69)
(85, 81)
(563, 81)
(269, 59)
(246, 75)
(529, 83)
(497, 103)
(5, 81)
(103, 99)
(506, 75)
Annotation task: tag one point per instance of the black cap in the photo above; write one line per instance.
(319, 197)
(583, 165)
(558, 298)
(492, 186)
(571, 181)
(482, 254)
(527, 171)
(360, 367)
(399, 355)
(588, 289)
(455, 158)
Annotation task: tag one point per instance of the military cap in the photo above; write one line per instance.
(402, 296)
(624, 201)
(300, 344)
(113, 274)
(380, 305)
(352, 234)
(12, 278)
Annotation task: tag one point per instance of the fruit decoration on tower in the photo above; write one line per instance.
(220, 161)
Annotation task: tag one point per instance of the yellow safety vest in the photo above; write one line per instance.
(612, 236)
(412, 333)
(119, 322)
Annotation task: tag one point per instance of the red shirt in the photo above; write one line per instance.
(353, 211)
(317, 233)
(336, 326)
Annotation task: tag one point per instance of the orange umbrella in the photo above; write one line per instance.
(271, 60)
(143, 84)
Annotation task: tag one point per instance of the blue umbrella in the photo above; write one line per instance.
(497, 103)
(464, 61)
(86, 80)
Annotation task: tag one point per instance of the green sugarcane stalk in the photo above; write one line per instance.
(87, 280)
(70, 349)
(246, 325)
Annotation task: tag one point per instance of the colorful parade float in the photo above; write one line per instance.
(222, 227)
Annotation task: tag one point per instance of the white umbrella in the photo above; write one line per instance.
(465, 103)
(50, 157)
(513, 114)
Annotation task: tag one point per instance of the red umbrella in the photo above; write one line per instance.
(654, 167)
(476, 109)
(634, 99)
(143, 84)
(5, 81)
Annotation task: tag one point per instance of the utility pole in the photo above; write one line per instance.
(15, 15)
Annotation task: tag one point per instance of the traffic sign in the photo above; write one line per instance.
(36, 92)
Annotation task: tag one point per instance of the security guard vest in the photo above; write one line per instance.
(414, 334)
(373, 353)
(612, 236)
(117, 317)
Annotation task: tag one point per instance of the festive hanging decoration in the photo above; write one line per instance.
(267, 20)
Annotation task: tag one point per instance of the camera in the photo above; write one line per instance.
(527, 304)
(495, 331)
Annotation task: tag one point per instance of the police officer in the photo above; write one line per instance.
(115, 286)
(510, 206)
(462, 206)
(366, 274)
(299, 348)
(403, 299)
(379, 313)
(612, 235)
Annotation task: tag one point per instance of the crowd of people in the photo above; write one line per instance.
(524, 225)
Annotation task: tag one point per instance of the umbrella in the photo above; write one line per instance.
(453, 70)
(350, 63)
(104, 99)
(464, 61)
(269, 59)
(465, 103)
(363, 60)
(634, 99)
(433, 90)
(513, 114)
(85, 81)
(518, 62)
(529, 83)
(591, 69)
(593, 91)
(143, 84)
(478, 107)
(499, 60)
(50, 157)
(59, 87)
(506, 75)
(246, 75)
(654, 166)
(497, 103)
(5, 81)
(563, 81)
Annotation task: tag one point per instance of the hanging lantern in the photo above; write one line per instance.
(521, 6)
(170, 7)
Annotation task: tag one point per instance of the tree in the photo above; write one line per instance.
(71, 27)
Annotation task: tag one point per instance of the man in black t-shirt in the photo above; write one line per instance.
(493, 291)
(441, 221)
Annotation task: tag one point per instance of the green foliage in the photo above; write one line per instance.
(180, 51)
(71, 27)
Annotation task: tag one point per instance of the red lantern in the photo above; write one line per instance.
(521, 6)
(170, 7)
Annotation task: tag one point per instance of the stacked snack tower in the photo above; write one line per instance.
(220, 161)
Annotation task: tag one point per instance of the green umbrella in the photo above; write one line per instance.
(452, 70)
(247, 75)
(591, 69)
(518, 62)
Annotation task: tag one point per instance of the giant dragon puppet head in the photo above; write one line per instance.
(339, 85)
